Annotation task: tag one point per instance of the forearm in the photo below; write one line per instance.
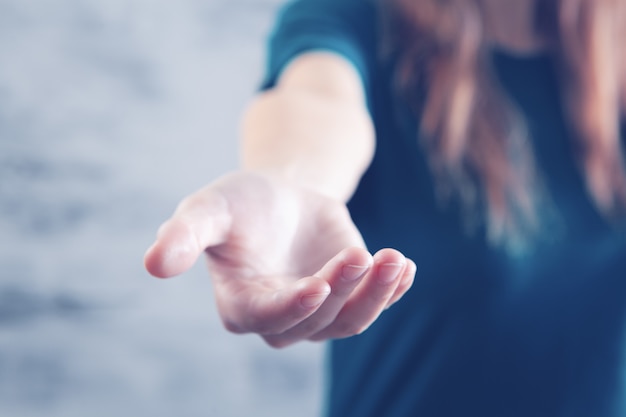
(313, 128)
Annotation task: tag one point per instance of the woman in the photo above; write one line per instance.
(479, 138)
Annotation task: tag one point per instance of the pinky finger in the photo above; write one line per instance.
(405, 283)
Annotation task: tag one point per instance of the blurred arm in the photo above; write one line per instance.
(286, 260)
(313, 128)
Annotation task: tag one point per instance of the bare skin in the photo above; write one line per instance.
(285, 258)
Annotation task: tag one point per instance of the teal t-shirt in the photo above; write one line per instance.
(481, 333)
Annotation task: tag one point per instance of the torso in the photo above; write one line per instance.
(482, 332)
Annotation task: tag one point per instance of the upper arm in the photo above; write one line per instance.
(337, 37)
(324, 73)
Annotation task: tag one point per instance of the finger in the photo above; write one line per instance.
(369, 299)
(265, 310)
(343, 273)
(201, 220)
(406, 281)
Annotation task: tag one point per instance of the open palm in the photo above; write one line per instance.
(287, 262)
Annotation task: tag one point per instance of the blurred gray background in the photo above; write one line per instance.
(110, 112)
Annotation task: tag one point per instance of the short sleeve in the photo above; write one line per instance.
(346, 27)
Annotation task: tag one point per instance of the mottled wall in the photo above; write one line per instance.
(110, 112)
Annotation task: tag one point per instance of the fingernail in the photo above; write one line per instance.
(313, 300)
(387, 273)
(353, 272)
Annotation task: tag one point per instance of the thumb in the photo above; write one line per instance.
(200, 221)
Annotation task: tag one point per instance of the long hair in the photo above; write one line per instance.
(476, 141)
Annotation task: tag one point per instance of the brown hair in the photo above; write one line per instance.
(475, 140)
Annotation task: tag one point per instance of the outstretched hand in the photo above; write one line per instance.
(286, 262)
